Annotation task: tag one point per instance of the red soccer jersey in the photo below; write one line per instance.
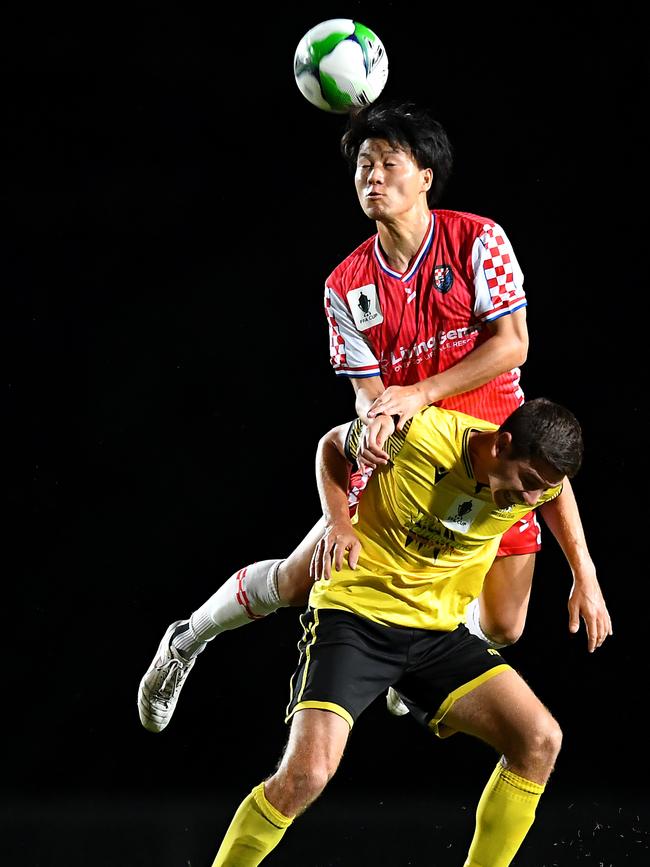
(407, 327)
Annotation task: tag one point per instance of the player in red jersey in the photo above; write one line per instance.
(432, 307)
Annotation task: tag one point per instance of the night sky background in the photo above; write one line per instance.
(173, 206)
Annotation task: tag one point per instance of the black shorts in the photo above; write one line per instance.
(347, 661)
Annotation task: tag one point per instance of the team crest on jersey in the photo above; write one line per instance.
(364, 305)
(461, 513)
(443, 278)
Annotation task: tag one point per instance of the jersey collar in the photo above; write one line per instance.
(417, 259)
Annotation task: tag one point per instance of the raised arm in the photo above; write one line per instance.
(506, 349)
(585, 599)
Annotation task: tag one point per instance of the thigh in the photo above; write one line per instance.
(316, 743)
(316, 737)
(443, 667)
(345, 662)
(503, 711)
(506, 593)
(294, 581)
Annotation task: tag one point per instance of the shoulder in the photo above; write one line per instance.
(451, 421)
(471, 222)
(445, 432)
(347, 270)
(465, 224)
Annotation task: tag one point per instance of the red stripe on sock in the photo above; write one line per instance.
(242, 598)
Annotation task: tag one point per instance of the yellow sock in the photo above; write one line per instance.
(256, 829)
(503, 817)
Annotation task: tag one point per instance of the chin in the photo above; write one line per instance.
(373, 213)
(374, 206)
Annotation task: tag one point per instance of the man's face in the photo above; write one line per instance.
(521, 482)
(388, 181)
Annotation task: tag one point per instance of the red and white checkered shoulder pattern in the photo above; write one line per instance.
(501, 271)
(337, 343)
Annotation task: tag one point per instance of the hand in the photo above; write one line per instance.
(400, 400)
(371, 453)
(337, 539)
(586, 601)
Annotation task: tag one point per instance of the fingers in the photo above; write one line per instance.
(353, 554)
(574, 615)
(332, 550)
(592, 636)
(401, 402)
(369, 460)
(371, 453)
(403, 418)
(383, 405)
(319, 563)
(598, 626)
(590, 607)
(338, 555)
(376, 407)
(346, 545)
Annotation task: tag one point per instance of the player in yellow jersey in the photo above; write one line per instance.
(391, 613)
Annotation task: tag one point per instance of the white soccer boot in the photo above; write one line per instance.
(394, 703)
(161, 685)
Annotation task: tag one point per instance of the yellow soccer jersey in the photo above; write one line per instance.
(429, 532)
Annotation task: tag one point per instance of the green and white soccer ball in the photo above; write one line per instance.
(340, 64)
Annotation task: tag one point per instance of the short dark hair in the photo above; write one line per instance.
(407, 127)
(545, 430)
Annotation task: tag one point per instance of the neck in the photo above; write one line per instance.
(402, 237)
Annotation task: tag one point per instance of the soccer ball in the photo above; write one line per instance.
(339, 64)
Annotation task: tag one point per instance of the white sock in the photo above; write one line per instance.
(250, 594)
(473, 623)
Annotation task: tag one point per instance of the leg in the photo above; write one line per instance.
(316, 743)
(503, 603)
(294, 581)
(499, 615)
(250, 594)
(504, 712)
(344, 663)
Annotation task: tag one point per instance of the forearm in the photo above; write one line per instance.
(586, 602)
(562, 517)
(366, 392)
(483, 364)
(332, 476)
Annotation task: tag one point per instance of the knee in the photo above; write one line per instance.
(294, 787)
(294, 584)
(545, 741)
(310, 782)
(505, 634)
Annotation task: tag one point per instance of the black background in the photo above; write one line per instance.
(174, 206)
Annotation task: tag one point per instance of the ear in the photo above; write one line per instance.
(502, 443)
(427, 179)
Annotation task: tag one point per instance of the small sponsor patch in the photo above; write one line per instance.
(364, 305)
(462, 512)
